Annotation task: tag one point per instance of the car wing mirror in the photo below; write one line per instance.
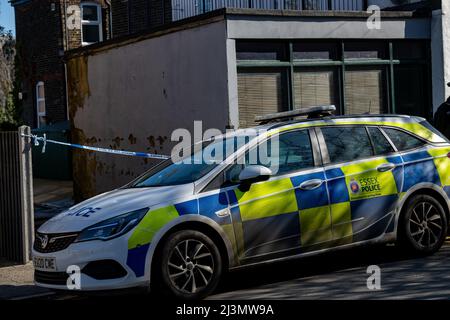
(253, 173)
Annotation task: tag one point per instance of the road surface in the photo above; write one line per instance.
(339, 275)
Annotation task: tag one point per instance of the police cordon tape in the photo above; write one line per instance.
(36, 139)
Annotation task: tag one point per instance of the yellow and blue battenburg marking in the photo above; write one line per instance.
(442, 164)
(140, 239)
(361, 198)
(264, 215)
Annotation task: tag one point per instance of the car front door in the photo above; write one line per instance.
(364, 176)
(277, 217)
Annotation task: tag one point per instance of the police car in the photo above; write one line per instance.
(333, 182)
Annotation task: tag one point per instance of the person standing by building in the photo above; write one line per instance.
(442, 117)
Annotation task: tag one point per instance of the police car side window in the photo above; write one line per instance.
(294, 153)
(380, 144)
(402, 140)
(346, 144)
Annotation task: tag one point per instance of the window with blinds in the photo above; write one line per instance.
(364, 91)
(259, 93)
(314, 88)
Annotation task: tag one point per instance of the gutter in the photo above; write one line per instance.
(229, 13)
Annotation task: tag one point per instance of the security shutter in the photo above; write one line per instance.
(259, 93)
(314, 88)
(364, 91)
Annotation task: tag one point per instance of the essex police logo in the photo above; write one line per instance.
(354, 186)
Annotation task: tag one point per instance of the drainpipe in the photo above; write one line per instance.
(66, 33)
(108, 3)
(128, 14)
(66, 47)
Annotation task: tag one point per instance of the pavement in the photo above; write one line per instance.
(50, 198)
(16, 281)
(337, 276)
(48, 191)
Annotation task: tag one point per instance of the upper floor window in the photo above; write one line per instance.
(91, 23)
(40, 104)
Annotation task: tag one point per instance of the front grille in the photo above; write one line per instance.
(47, 243)
(55, 278)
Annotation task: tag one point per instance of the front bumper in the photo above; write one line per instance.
(80, 254)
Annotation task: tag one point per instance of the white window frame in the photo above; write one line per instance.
(97, 22)
(40, 99)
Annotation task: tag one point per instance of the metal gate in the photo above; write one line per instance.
(16, 196)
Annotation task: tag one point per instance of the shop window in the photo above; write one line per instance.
(315, 51)
(366, 50)
(410, 50)
(40, 104)
(259, 93)
(254, 50)
(410, 90)
(315, 87)
(91, 23)
(365, 90)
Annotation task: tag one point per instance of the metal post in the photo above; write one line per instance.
(26, 187)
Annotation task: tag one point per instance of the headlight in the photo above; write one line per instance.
(113, 227)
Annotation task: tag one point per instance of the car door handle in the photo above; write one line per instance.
(386, 167)
(311, 184)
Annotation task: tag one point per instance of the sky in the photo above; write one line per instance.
(7, 16)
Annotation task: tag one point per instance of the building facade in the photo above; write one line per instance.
(48, 28)
(227, 66)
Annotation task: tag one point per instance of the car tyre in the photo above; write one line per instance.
(423, 226)
(190, 265)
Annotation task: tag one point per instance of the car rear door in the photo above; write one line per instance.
(364, 177)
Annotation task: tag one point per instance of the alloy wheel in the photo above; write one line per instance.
(190, 266)
(426, 224)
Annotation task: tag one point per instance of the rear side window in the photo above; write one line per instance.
(347, 143)
(380, 144)
(402, 140)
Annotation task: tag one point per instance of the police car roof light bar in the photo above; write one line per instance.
(311, 113)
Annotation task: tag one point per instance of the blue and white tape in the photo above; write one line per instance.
(35, 139)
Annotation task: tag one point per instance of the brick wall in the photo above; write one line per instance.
(160, 12)
(119, 18)
(40, 48)
(42, 38)
(131, 16)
